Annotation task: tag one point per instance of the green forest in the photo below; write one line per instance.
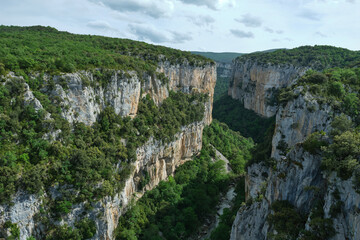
(316, 57)
(178, 207)
(45, 49)
(83, 164)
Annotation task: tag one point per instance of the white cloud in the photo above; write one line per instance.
(241, 34)
(269, 30)
(310, 15)
(212, 4)
(150, 33)
(202, 20)
(189, 25)
(99, 25)
(320, 34)
(249, 21)
(153, 8)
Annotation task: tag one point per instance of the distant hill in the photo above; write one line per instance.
(318, 57)
(225, 57)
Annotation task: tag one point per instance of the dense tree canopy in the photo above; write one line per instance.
(40, 48)
(317, 57)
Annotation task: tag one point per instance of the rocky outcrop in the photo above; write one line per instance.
(159, 161)
(298, 119)
(82, 99)
(255, 84)
(224, 70)
(296, 175)
(346, 222)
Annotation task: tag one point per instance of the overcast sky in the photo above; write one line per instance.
(201, 25)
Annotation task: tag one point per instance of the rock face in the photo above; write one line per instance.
(155, 158)
(255, 84)
(82, 101)
(224, 70)
(296, 175)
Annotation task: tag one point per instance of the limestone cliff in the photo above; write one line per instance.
(82, 100)
(255, 84)
(224, 70)
(296, 175)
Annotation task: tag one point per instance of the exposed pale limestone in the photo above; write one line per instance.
(159, 160)
(255, 84)
(224, 70)
(82, 100)
(347, 223)
(189, 79)
(298, 119)
(22, 212)
(297, 176)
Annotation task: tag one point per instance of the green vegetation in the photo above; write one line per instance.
(314, 142)
(286, 220)
(248, 123)
(84, 157)
(342, 155)
(227, 219)
(224, 57)
(221, 88)
(177, 207)
(231, 144)
(14, 230)
(289, 223)
(42, 49)
(84, 229)
(318, 57)
(262, 151)
(321, 228)
(339, 88)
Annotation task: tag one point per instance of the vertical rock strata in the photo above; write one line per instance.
(297, 173)
(255, 84)
(82, 102)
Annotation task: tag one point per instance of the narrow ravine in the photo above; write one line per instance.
(226, 201)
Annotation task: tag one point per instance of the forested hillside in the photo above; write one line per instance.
(66, 167)
(47, 49)
(303, 179)
(179, 206)
(317, 57)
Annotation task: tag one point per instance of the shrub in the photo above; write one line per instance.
(317, 78)
(314, 142)
(336, 89)
(286, 220)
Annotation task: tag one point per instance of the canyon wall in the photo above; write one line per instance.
(295, 175)
(81, 100)
(255, 84)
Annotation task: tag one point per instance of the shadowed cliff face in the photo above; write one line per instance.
(256, 84)
(82, 101)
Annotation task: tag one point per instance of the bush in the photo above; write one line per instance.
(317, 78)
(336, 89)
(314, 142)
(286, 220)
(86, 227)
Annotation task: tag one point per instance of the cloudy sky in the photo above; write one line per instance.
(202, 25)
